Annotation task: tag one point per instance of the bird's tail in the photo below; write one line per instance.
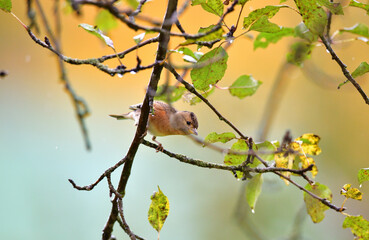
(134, 115)
(122, 116)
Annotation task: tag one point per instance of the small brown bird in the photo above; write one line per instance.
(165, 120)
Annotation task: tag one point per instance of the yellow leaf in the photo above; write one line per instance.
(282, 161)
(309, 143)
(306, 162)
(353, 193)
(159, 210)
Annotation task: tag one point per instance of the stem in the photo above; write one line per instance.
(142, 124)
(344, 69)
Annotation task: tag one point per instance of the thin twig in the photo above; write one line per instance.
(126, 228)
(80, 105)
(106, 173)
(95, 61)
(322, 200)
(190, 88)
(200, 163)
(240, 167)
(116, 12)
(111, 187)
(138, 9)
(344, 69)
(121, 224)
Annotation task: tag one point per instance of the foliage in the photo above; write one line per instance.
(159, 210)
(6, 5)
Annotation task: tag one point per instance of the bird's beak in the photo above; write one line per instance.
(194, 131)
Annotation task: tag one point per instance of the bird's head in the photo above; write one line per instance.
(186, 122)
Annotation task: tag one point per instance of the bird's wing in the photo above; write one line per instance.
(136, 106)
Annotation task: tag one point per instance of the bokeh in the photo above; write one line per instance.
(41, 145)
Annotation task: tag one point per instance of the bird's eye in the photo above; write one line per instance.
(188, 123)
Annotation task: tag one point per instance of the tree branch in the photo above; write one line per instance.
(241, 167)
(80, 105)
(344, 69)
(105, 174)
(191, 89)
(142, 124)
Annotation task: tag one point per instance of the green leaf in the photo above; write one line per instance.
(253, 190)
(159, 210)
(300, 51)
(263, 25)
(363, 175)
(6, 5)
(233, 159)
(244, 86)
(132, 3)
(266, 146)
(359, 29)
(361, 70)
(335, 8)
(242, 2)
(189, 55)
(359, 226)
(261, 15)
(217, 35)
(169, 93)
(105, 21)
(314, 16)
(215, 65)
(222, 137)
(264, 39)
(67, 7)
(97, 32)
(349, 192)
(357, 4)
(313, 206)
(303, 32)
(212, 6)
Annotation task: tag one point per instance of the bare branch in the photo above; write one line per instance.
(96, 61)
(190, 88)
(344, 69)
(80, 105)
(105, 174)
(126, 228)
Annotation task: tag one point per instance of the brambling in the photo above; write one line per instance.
(164, 121)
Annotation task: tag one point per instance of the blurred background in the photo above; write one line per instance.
(41, 145)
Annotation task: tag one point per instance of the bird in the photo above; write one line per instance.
(165, 120)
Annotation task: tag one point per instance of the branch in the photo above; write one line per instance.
(191, 89)
(105, 174)
(79, 103)
(142, 124)
(116, 12)
(97, 61)
(241, 167)
(126, 228)
(322, 200)
(344, 69)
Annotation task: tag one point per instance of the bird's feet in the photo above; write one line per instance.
(160, 147)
